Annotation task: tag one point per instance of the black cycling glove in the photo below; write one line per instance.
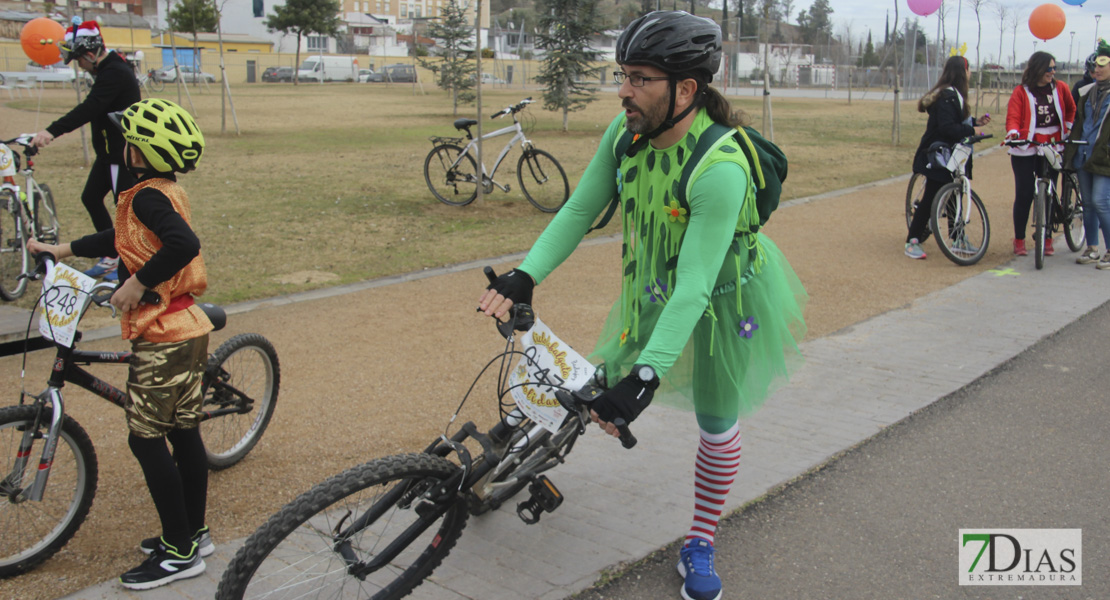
(516, 285)
(626, 400)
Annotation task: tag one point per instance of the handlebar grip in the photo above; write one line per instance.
(627, 439)
(490, 275)
(151, 297)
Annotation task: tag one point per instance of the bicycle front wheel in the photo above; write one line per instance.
(312, 545)
(1039, 202)
(452, 179)
(915, 192)
(241, 391)
(1072, 209)
(156, 85)
(960, 225)
(34, 530)
(13, 247)
(542, 180)
(47, 228)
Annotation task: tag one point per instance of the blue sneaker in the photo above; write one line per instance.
(695, 564)
(105, 266)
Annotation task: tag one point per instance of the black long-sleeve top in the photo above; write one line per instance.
(114, 89)
(180, 244)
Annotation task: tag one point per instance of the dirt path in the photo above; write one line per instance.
(380, 371)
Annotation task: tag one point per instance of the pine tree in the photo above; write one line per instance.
(566, 27)
(455, 72)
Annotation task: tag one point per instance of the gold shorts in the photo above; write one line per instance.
(164, 386)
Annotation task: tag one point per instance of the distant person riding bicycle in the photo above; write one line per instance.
(114, 89)
(169, 339)
(1091, 161)
(1041, 109)
(710, 311)
(949, 121)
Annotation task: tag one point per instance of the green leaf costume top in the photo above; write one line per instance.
(704, 301)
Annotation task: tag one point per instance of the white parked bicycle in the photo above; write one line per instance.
(452, 171)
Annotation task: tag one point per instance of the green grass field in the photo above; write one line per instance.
(325, 183)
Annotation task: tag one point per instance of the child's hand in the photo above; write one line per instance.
(129, 295)
(59, 251)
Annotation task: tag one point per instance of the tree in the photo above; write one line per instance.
(194, 16)
(815, 24)
(454, 73)
(305, 17)
(869, 58)
(566, 27)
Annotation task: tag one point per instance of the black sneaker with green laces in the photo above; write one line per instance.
(201, 537)
(165, 564)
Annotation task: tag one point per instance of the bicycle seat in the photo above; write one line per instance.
(461, 124)
(214, 314)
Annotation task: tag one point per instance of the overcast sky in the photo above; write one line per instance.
(863, 14)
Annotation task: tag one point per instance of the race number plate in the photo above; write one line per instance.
(65, 292)
(548, 364)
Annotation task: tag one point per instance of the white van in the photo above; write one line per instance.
(328, 68)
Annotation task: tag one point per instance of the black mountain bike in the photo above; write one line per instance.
(43, 502)
(1054, 211)
(378, 530)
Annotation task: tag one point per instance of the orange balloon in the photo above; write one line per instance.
(40, 38)
(1047, 21)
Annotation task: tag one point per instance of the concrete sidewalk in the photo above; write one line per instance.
(623, 505)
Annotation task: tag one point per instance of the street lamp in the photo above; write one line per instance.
(1097, 17)
(1070, 44)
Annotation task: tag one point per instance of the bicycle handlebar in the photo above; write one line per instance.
(1017, 142)
(23, 139)
(512, 109)
(521, 318)
(975, 139)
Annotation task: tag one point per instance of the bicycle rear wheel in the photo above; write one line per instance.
(963, 239)
(13, 247)
(241, 391)
(915, 192)
(309, 547)
(542, 180)
(47, 228)
(34, 530)
(1072, 209)
(453, 184)
(156, 85)
(1039, 202)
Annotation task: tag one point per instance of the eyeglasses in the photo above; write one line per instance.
(634, 80)
(1051, 69)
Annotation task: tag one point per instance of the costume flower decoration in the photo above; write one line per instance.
(675, 212)
(624, 336)
(657, 290)
(748, 327)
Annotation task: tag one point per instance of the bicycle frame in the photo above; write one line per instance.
(957, 165)
(26, 169)
(471, 149)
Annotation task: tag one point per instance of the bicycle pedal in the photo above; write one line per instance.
(545, 497)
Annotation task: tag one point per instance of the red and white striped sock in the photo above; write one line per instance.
(714, 471)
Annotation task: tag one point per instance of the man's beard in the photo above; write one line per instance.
(649, 119)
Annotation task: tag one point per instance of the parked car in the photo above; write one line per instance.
(398, 73)
(488, 78)
(364, 75)
(188, 74)
(272, 74)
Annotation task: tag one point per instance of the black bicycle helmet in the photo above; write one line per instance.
(674, 41)
(79, 39)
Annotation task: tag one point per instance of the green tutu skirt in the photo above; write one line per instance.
(732, 362)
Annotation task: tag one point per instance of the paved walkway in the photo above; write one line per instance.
(854, 383)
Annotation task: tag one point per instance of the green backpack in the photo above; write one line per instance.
(767, 161)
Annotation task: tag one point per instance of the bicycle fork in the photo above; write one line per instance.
(46, 460)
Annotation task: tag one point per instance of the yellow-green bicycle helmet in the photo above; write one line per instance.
(165, 134)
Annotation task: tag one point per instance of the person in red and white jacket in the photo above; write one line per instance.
(1041, 109)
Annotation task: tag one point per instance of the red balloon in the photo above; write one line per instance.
(1047, 21)
(40, 38)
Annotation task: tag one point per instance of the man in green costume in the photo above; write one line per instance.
(710, 312)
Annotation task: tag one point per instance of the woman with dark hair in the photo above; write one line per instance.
(949, 122)
(1041, 109)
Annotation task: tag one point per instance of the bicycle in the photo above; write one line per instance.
(451, 170)
(151, 82)
(1052, 211)
(959, 220)
(25, 212)
(380, 529)
(240, 387)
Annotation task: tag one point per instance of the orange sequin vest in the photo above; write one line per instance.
(136, 245)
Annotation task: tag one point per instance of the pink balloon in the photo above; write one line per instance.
(924, 7)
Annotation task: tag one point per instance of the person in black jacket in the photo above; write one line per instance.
(949, 122)
(114, 89)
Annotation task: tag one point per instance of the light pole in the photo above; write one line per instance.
(1070, 44)
(1097, 17)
